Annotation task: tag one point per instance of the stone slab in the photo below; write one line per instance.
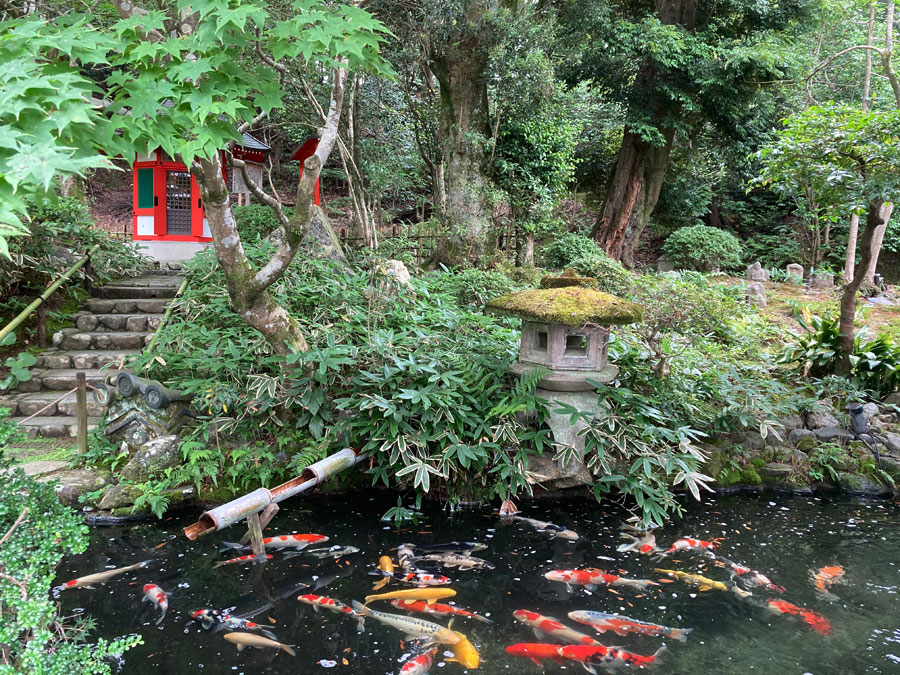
(42, 467)
(569, 380)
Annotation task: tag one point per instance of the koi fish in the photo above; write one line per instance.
(415, 578)
(460, 547)
(464, 652)
(825, 577)
(546, 627)
(236, 623)
(687, 544)
(703, 583)
(411, 626)
(385, 564)
(242, 640)
(207, 618)
(590, 579)
(548, 528)
(463, 562)
(295, 541)
(812, 619)
(406, 558)
(623, 625)
(437, 609)
(332, 552)
(158, 598)
(335, 606)
(536, 652)
(644, 545)
(419, 665)
(749, 578)
(242, 559)
(99, 577)
(429, 595)
(608, 658)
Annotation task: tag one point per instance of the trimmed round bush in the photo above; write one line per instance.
(703, 248)
(566, 249)
(611, 276)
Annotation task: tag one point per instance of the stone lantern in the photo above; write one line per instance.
(565, 330)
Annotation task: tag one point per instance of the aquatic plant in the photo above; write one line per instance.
(36, 531)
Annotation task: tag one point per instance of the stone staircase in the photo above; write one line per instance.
(115, 324)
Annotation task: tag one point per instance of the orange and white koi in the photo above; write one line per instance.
(236, 623)
(644, 545)
(99, 577)
(537, 652)
(687, 544)
(419, 579)
(385, 564)
(335, 606)
(437, 609)
(608, 658)
(591, 579)
(242, 559)
(419, 665)
(812, 619)
(547, 627)
(749, 578)
(623, 625)
(295, 541)
(158, 598)
(825, 577)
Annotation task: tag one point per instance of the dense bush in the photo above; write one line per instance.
(584, 256)
(37, 531)
(566, 249)
(471, 286)
(703, 248)
(256, 221)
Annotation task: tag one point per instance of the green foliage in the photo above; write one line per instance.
(36, 638)
(256, 221)
(565, 250)
(10, 432)
(826, 461)
(584, 256)
(471, 287)
(16, 365)
(703, 248)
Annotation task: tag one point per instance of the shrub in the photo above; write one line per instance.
(256, 221)
(566, 249)
(611, 275)
(38, 531)
(703, 248)
(471, 287)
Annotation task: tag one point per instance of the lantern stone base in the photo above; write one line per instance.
(568, 380)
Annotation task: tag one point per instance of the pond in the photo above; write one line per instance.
(779, 535)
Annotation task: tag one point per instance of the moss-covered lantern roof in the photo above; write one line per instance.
(574, 304)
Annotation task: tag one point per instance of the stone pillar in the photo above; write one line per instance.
(756, 272)
(795, 270)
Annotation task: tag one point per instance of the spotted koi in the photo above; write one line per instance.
(318, 601)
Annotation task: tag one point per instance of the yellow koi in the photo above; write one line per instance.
(385, 564)
(429, 595)
(702, 583)
(464, 652)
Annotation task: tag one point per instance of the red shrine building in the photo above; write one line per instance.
(168, 219)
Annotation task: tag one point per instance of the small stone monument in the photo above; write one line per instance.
(821, 279)
(756, 272)
(565, 329)
(663, 264)
(756, 294)
(795, 271)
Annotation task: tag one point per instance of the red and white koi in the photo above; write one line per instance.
(687, 544)
(236, 623)
(537, 652)
(644, 545)
(437, 609)
(295, 541)
(419, 579)
(158, 598)
(749, 578)
(608, 658)
(591, 579)
(99, 577)
(547, 627)
(812, 619)
(242, 559)
(419, 665)
(335, 606)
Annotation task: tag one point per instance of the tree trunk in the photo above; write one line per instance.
(877, 240)
(464, 129)
(438, 187)
(850, 262)
(874, 220)
(632, 194)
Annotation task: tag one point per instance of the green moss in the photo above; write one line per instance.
(570, 305)
(730, 477)
(568, 278)
(750, 476)
(757, 463)
(806, 443)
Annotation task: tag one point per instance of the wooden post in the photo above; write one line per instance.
(256, 538)
(265, 517)
(81, 412)
(42, 325)
(88, 277)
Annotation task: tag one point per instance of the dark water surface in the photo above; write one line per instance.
(780, 536)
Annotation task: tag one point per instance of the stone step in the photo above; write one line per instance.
(53, 427)
(60, 379)
(150, 280)
(91, 322)
(27, 404)
(126, 305)
(94, 358)
(121, 291)
(72, 339)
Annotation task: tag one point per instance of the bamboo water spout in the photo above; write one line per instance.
(243, 507)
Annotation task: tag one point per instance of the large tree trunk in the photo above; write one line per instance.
(633, 189)
(464, 131)
(874, 220)
(632, 194)
(877, 241)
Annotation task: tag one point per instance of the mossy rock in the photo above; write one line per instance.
(571, 305)
(758, 463)
(750, 476)
(729, 478)
(806, 443)
(568, 278)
